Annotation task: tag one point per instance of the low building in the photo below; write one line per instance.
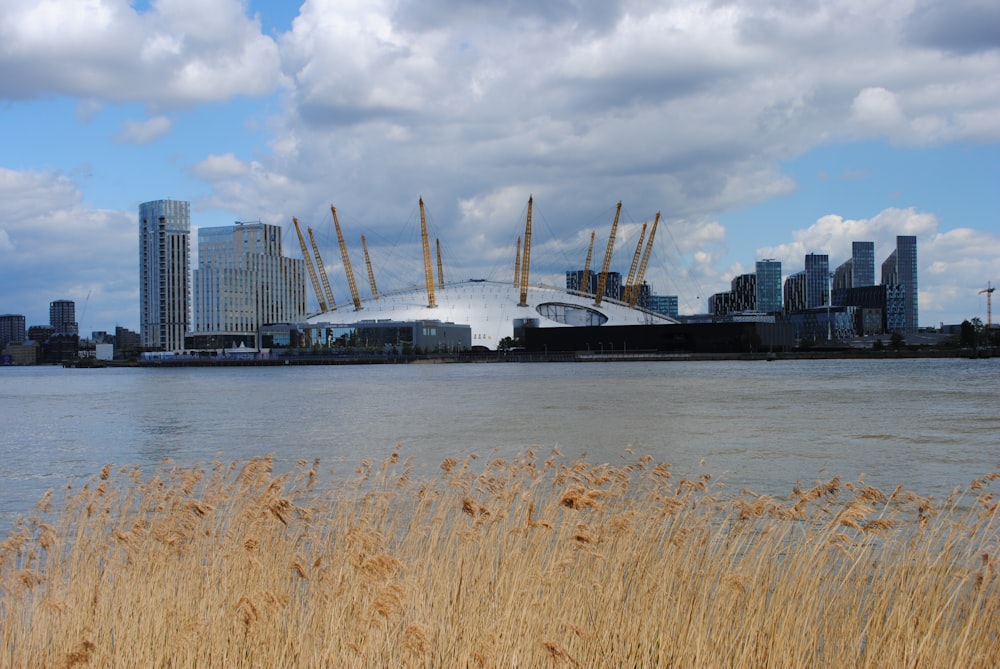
(375, 336)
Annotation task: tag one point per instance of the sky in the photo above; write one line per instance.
(764, 129)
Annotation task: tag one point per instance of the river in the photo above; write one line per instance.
(929, 424)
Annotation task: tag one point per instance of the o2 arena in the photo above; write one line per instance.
(493, 311)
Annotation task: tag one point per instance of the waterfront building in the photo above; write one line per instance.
(858, 271)
(164, 262)
(742, 296)
(243, 282)
(12, 330)
(863, 264)
(817, 280)
(663, 304)
(62, 317)
(879, 308)
(900, 268)
(768, 286)
(795, 292)
(374, 336)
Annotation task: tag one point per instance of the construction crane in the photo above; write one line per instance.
(645, 261)
(437, 242)
(602, 280)
(585, 277)
(989, 310)
(321, 270)
(526, 260)
(347, 261)
(309, 266)
(428, 272)
(629, 282)
(368, 264)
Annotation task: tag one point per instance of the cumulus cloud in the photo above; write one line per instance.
(686, 107)
(143, 132)
(177, 53)
(47, 225)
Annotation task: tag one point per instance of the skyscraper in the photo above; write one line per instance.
(11, 329)
(863, 262)
(769, 286)
(817, 280)
(900, 268)
(243, 282)
(62, 317)
(164, 260)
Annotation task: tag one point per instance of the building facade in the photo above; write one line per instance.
(242, 283)
(62, 317)
(164, 261)
(769, 286)
(900, 268)
(863, 264)
(12, 330)
(817, 280)
(795, 293)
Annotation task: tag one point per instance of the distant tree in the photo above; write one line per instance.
(896, 341)
(507, 343)
(877, 345)
(971, 332)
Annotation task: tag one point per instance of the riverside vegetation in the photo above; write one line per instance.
(524, 562)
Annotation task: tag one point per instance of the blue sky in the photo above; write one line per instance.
(764, 129)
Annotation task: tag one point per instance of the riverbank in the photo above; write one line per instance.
(535, 561)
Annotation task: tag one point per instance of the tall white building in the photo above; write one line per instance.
(243, 282)
(164, 262)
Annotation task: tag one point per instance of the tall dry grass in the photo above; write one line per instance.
(524, 563)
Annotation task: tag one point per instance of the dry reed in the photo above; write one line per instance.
(525, 563)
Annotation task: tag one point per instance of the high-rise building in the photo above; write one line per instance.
(242, 283)
(817, 280)
(795, 292)
(900, 268)
(769, 286)
(164, 261)
(856, 272)
(12, 329)
(863, 264)
(62, 317)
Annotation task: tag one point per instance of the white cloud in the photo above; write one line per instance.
(225, 166)
(177, 53)
(685, 107)
(143, 132)
(876, 111)
(47, 225)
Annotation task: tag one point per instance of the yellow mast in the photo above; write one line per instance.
(309, 266)
(585, 277)
(368, 264)
(440, 264)
(602, 280)
(347, 261)
(321, 270)
(517, 264)
(635, 263)
(645, 261)
(526, 261)
(428, 272)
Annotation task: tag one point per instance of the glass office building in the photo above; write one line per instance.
(769, 286)
(242, 283)
(817, 280)
(900, 268)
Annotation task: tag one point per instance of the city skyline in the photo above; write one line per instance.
(760, 132)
